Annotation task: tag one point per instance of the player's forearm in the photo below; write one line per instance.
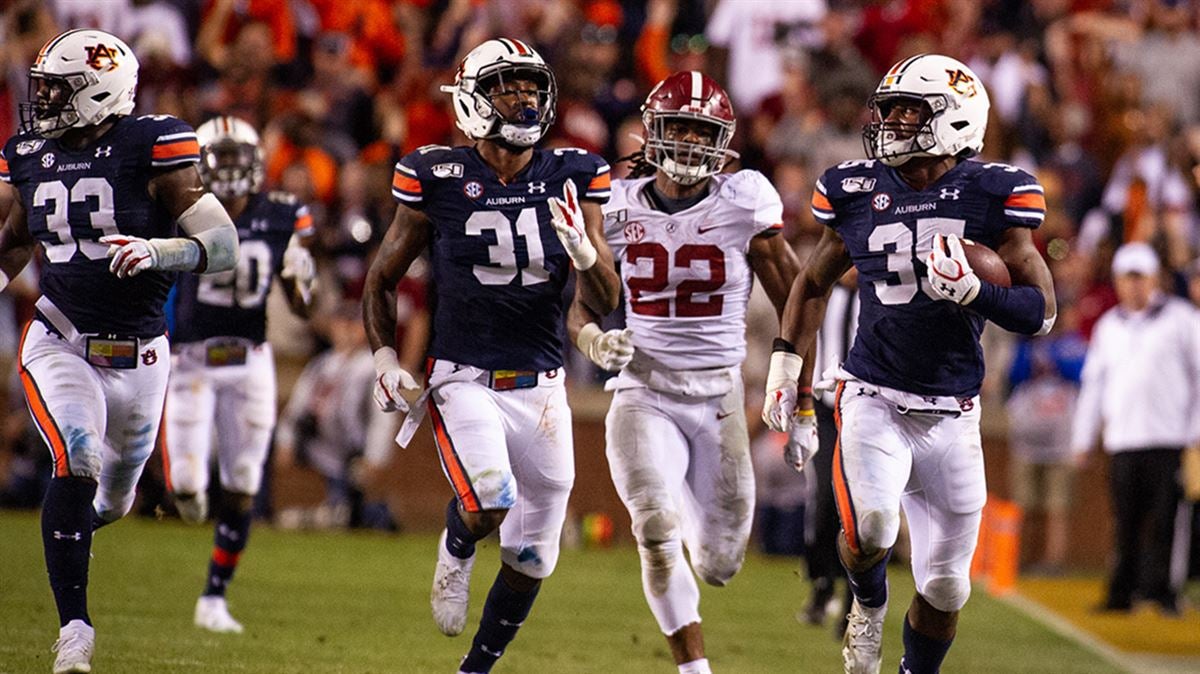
(13, 259)
(803, 314)
(1018, 309)
(379, 317)
(599, 288)
(578, 316)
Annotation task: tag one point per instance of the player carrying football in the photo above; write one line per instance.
(222, 370)
(503, 223)
(94, 183)
(907, 396)
(690, 239)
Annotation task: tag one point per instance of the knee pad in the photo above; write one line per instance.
(878, 529)
(111, 509)
(496, 489)
(717, 568)
(83, 452)
(669, 586)
(946, 593)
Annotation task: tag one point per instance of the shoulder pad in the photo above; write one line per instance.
(857, 176)
(746, 188)
(1001, 179)
(172, 141)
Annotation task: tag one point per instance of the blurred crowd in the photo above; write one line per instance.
(1099, 98)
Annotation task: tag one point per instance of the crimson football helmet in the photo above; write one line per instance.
(686, 100)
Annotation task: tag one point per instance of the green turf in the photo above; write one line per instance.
(360, 603)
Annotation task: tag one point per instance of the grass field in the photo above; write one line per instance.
(360, 603)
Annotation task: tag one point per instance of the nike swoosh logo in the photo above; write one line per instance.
(722, 416)
(701, 230)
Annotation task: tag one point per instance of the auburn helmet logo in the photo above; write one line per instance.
(101, 57)
(962, 83)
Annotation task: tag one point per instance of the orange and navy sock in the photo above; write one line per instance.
(232, 530)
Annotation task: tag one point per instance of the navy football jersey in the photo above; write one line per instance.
(73, 198)
(234, 303)
(497, 266)
(907, 339)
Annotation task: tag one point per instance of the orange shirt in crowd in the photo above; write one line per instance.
(275, 13)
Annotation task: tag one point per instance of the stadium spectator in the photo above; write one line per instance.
(1140, 383)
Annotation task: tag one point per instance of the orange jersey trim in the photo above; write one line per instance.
(1031, 200)
(600, 182)
(841, 490)
(304, 222)
(180, 148)
(41, 415)
(454, 468)
(406, 184)
(820, 201)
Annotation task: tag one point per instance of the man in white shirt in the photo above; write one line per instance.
(1141, 383)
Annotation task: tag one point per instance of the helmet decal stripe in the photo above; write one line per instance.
(508, 45)
(522, 48)
(697, 87)
(50, 44)
(904, 65)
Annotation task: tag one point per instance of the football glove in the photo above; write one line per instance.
(950, 275)
(610, 350)
(782, 390)
(566, 215)
(130, 255)
(390, 380)
(299, 266)
(803, 441)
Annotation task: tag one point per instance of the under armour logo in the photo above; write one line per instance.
(949, 290)
(104, 151)
(60, 536)
(537, 187)
(948, 193)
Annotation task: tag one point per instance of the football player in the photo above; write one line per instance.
(117, 206)
(222, 369)
(907, 401)
(690, 239)
(504, 224)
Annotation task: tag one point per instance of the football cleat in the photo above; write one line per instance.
(212, 614)
(451, 590)
(862, 646)
(76, 641)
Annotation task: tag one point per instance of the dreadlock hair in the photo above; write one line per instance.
(641, 166)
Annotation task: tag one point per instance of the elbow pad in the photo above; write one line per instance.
(207, 223)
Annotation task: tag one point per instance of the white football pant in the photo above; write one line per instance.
(100, 423)
(507, 450)
(238, 401)
(929, 464)
(682, 467)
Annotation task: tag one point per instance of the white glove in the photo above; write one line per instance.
(390, 379)
(782, 388)
(130, 255)
(803, 441)
(298, 265)
(951, 276)
(566, 215)
(610, 350)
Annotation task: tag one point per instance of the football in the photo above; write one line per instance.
(987, 264)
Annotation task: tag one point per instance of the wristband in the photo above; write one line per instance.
(588, 334)
(386, 360)
(781, 344)
(805, 413)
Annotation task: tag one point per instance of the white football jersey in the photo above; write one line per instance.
(686, 276)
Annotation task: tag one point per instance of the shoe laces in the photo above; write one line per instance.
(862, 629)
(453, 583)
(71, 643)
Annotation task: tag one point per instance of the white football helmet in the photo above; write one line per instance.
(231, 160)
(492, 64)
(79, 78)
(954, 111)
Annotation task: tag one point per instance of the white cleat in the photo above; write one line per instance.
(76, 641)
(451, 590)
(862, 647)
(212, 614)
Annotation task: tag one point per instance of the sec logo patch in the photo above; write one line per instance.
(881, 201)
(473, 189)
(634, 232)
